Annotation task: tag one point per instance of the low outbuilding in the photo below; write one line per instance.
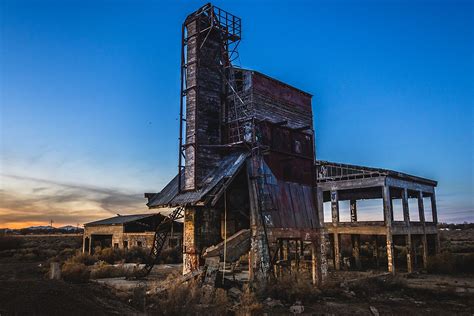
(127, 231)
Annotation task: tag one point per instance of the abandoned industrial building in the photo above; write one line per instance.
(248, 184)
(127, 231)
(338, 183)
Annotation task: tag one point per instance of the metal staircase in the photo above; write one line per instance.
(161, 235)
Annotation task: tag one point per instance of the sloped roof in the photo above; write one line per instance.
(120, 220)
(169, 195)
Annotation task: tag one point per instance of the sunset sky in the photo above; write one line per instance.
(89, 95)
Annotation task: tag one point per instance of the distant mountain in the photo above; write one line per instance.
(40, 228)
(70, 228)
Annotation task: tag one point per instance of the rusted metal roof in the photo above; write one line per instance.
(332, 171)
(169, 195)
(121, 219)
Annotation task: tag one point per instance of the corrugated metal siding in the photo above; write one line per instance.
(118, 220)
(293, 202)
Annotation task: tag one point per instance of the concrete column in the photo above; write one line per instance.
(258, 242)
(314, 276)
(335, 207)
(321, 260)
(356, 250)
(409, 248)
(387, 210)
(280, 257)
(437, 244)
(353, 210)
(406, 210)
(408, 241)
(190, 244)
(421, 208)
(376, 250)
(337, 251)
(424, 242)
(434, 210)
(320, 208)
(390, 256)
(387, 206)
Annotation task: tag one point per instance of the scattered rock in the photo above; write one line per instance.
(297, 308)
(234, 293)
(374, 311)
(272, 303)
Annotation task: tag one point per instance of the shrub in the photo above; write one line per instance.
(249, 304)
(75, 272)
(290, 288)
(83, 258)
(449, 263)
(135, 255)
(374, 286)
(179, 299)
(108, 255)
(7, 243)
(173, 255)
(104, 270)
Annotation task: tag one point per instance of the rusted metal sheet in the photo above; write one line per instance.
(169, 196)
(282, 91)
(295, 207)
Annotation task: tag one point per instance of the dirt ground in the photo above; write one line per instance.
(26, 290)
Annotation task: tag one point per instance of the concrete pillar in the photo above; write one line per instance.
(408, 241)
(258, 241)
(337, 251)
(376, 250)
(353, 210)
(434, 210)
(190, 245)
(421, 208)
(406, 210)
(387, 206)
(387, 210)
(321, 260)
(437, 244)
(424, 242)
(390, 253)
(409, 248)
(313, 264)
(335, 207)
(322, 264)
(356, 250)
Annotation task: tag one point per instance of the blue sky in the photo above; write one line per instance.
(89, 95)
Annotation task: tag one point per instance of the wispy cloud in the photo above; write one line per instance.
(29, 199)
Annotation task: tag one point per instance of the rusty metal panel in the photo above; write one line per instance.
(169, 195)
(282, 91)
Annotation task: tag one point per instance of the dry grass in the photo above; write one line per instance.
(290, 288)
(75, 272)
(249, 303)
(104, 270)
(450, 263)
